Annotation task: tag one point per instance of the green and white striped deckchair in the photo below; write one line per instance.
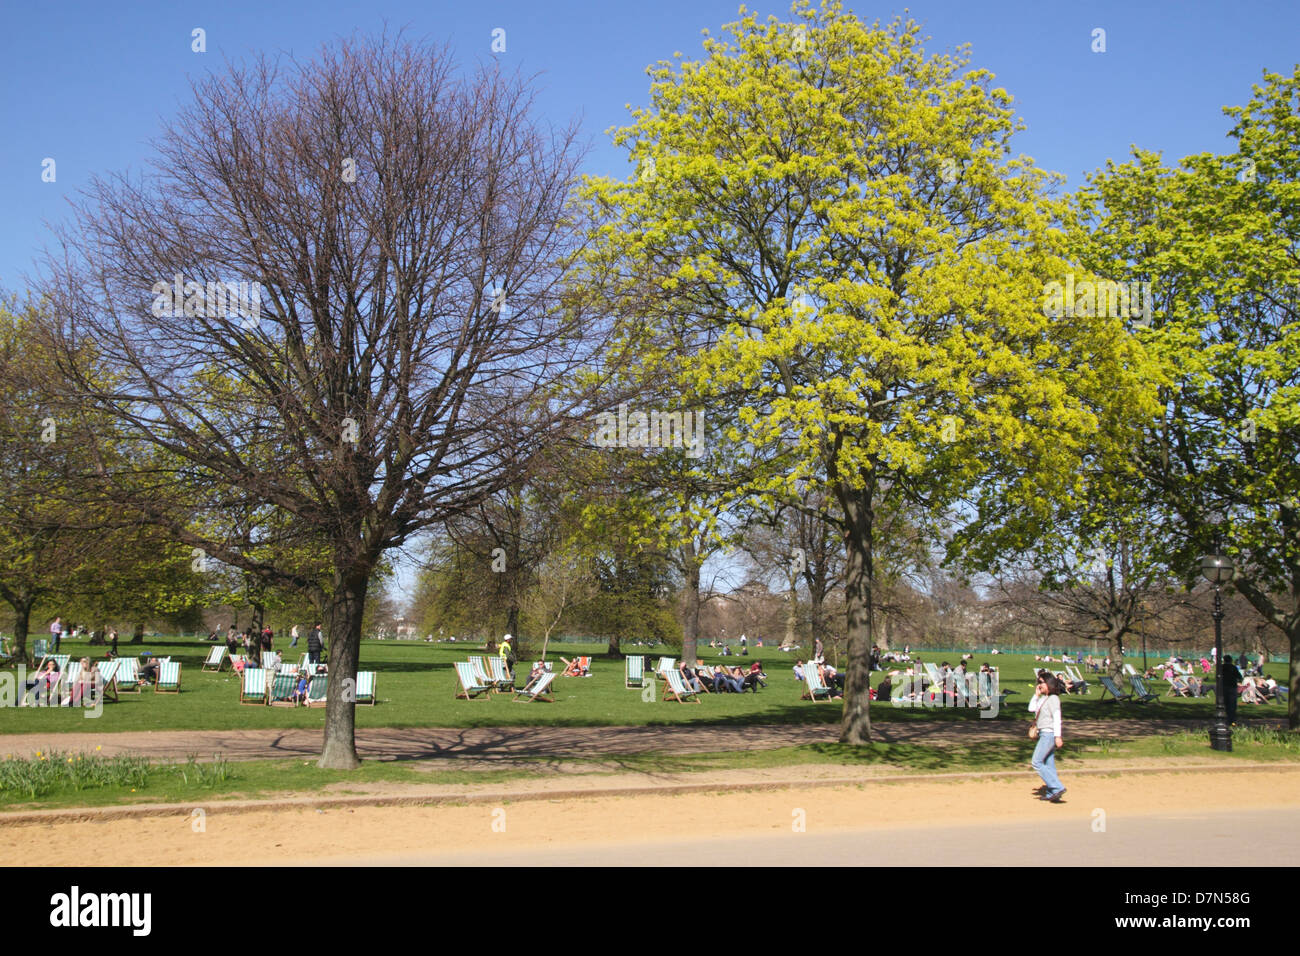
(252, 689)
(317, 690)
(366, 687)
(665, 665)
(816, 689)
(68, 676)
(635, 671)
(537, 690)
(282, 688)
(481, 672)
(128, 675)
(287, 668)
(216, 657)
(38, 650)
(499, 676)
(675, 688)
(1140, 692)
(932, 672)
(108, 679)
(305, 662)
(471, 686)
(169, 677)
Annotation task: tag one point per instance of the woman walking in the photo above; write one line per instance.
(1046, 706)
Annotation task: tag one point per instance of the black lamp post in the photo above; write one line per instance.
(1217, 569)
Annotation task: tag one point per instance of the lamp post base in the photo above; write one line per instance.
(1220, 737)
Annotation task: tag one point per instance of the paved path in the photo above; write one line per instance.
(1132, 841)
(495, 744)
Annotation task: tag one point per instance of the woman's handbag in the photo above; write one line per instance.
(1033, 731)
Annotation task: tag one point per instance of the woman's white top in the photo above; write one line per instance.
(1048, 709)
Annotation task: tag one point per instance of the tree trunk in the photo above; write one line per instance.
(855, 726)
(137, 636)
(613, 645)
(792, 614)
(1115, 649)
(691, 602)
(339, 751)
(22, 620)
(1292, 707)
(512, 628)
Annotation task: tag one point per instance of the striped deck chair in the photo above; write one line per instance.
(1128, 669)
(169, 677)
(4, 650)
(537, 690)
(108, 679)
(282, 690)
(498, 676)
(68, 676)
(252, 689)
(305, 662)
(665, 665)
(932, 672)
(675, 688)
(634, 671)
(816, 689)
(1108, 686)
(481, 672)
(216, 657)
(38, 650)
(128, 675)
(366, 687)
(471, 685)
(1140, 692)
(287, 668)
(318, 690)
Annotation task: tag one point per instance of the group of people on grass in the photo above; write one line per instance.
(722, 679)
(87, 686)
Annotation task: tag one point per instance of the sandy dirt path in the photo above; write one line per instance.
(634, 829)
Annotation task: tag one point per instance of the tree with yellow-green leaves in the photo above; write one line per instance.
(1215, 236)
(860, 263)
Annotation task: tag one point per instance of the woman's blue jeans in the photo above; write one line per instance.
(1045, 762)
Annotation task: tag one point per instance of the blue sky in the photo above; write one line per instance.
(86, 83)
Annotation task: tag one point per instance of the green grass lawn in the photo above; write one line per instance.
(416, 686)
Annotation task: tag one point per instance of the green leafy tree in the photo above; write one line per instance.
(864, 261)
(1216, 236)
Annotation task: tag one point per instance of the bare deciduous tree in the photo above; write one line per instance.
(401, 340)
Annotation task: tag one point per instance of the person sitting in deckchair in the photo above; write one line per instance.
(534, 675)
(1250, 692)
(46, 679)
(149, 673)
(1179, 687)
(798, 671)
(300, 690)
(689, 678)
(704, 674)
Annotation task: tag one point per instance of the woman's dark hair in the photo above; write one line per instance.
(1054, 684)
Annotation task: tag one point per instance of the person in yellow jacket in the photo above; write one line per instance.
(507, 651)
